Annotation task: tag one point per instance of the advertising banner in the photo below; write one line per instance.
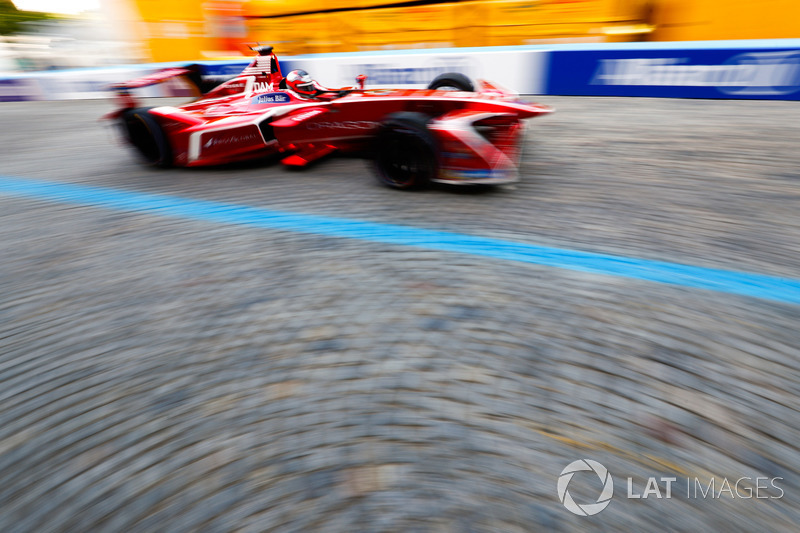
(18, 90)
(660, 70)
(677, 73)
(521, 71)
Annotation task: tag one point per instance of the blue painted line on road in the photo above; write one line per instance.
(778, 289)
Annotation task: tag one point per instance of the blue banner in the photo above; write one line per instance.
(231, 69)
(678, 73)
(17, 90)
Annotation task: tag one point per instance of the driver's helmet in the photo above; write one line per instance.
(300, 82)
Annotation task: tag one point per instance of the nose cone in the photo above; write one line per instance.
(534, 110)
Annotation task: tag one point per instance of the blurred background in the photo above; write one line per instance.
(176, 374)
(53, 34)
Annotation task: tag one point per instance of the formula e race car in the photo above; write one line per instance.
(449, 132)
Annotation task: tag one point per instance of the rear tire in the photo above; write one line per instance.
(146, 135)
(405, 152)
(452, 81)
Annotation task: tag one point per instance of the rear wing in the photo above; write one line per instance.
(202, 78)
(198, 80)
(151, 79)
(123, 90)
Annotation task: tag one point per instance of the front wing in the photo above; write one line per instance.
(478, 147)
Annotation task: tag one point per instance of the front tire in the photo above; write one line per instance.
(405, 152)
(452, 81)
(146, 135)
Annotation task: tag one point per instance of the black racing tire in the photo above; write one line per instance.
(452, 81)
(405, 151)
(143, 131)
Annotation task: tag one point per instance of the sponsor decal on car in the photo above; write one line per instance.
(300, 117)
(499, 174)
(230, 139)
(344, 125)
(272, 98)
(236, 87)
(261, 66)
(263, 86)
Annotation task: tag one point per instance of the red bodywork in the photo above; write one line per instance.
(478, 133)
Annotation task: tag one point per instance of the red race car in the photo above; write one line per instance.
(449, 132)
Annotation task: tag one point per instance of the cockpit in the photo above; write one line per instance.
(303, 85)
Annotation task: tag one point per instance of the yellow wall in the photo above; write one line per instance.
(427, 26)
(176, 30)
(511, 22)
(174, 40)
(297, 34)
(271, 8)
(190, 29)
(170, 9)
(365, 25)
(690, 20)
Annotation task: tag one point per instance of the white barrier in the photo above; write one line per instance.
(75, 84)
(713, 69)
(520, 70)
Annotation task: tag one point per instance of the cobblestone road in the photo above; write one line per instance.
(174, 375)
